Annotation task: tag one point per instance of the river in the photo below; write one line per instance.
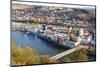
(42, 47)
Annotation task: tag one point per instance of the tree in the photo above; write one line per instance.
(27, 55)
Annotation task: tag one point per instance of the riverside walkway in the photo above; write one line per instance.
(58, 56)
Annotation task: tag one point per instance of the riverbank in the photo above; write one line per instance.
(43, 47)
(29, 49)
(27, 55)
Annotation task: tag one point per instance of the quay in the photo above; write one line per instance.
(54, 36)
(59, 39)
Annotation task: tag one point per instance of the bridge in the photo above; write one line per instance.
(67, 52)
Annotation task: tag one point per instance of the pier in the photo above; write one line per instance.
(67, 52)
(31, 29)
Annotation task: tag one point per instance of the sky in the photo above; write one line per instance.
(61, 5)
(67, 1)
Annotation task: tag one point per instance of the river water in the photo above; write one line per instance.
(42, 47)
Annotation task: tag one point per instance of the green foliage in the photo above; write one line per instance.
(44, 59)
(80, 55)
(27, 55)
